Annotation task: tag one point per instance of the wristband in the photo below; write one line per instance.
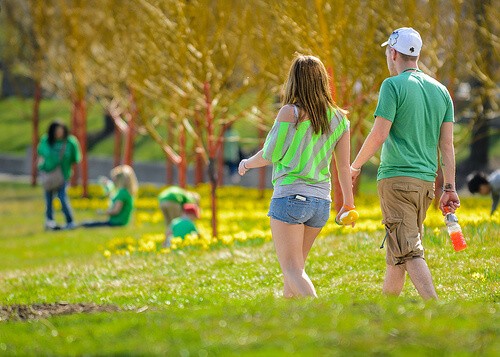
(355, 169)
(348, 208)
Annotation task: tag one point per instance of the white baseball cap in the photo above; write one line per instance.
(405, 40)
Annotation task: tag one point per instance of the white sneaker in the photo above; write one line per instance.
(51, 225)
(71, 225)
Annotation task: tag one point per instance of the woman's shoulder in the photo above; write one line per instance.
(288, 113)
(338, 113)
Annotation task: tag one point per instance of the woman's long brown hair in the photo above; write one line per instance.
(308, 86)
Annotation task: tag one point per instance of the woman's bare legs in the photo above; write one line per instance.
(293, 243)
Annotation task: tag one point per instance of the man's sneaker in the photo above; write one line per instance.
(51, 225)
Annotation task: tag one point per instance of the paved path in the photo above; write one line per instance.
(19, 168)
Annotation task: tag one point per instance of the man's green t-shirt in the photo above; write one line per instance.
(123, 217)
(417, 105)
(182, 226)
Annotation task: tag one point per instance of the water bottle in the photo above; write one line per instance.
(348, 217)
(454, 230)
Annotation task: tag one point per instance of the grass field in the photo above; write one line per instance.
(224, 298)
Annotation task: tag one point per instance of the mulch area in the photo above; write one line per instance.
(41, 311)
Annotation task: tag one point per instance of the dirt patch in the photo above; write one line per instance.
(40, 311)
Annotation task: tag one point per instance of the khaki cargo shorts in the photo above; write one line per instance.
(404, 202)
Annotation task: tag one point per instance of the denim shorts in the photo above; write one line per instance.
(298, 209)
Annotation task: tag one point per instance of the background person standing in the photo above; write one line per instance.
(57, 148)
(413, 118)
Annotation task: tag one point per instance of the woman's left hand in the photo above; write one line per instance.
(243, 168)
(341, 212)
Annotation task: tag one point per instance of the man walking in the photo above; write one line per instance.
(413, 119)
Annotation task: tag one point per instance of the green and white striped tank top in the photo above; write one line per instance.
(301, 159)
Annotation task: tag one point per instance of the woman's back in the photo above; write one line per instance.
(301, 158)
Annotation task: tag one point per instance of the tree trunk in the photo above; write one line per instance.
(199, 175)
(169, 165)
(220, 160)
(183, 154)
(85, 169)
(479, 147)
(80, 120)
(75, 132)
(480, 141)
(129, 144)
(478, 159)
(212, 175)
(117, 149)
(35, 135)
(212, 151)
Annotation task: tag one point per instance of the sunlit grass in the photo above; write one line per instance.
(225, 298)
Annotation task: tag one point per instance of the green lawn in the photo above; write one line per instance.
(16, 118)
(227, 301)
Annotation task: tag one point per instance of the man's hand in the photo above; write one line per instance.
(354, 173)
(449, 199)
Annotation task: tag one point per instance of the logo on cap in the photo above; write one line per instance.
(393, 39)
(405, 40)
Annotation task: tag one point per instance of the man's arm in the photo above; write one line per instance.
(372, 144)
(449, 197)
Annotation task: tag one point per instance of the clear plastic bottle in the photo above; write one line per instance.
(455, 231)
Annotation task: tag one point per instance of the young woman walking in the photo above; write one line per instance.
(309, 128)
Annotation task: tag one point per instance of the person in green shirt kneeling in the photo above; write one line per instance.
(183, 225)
